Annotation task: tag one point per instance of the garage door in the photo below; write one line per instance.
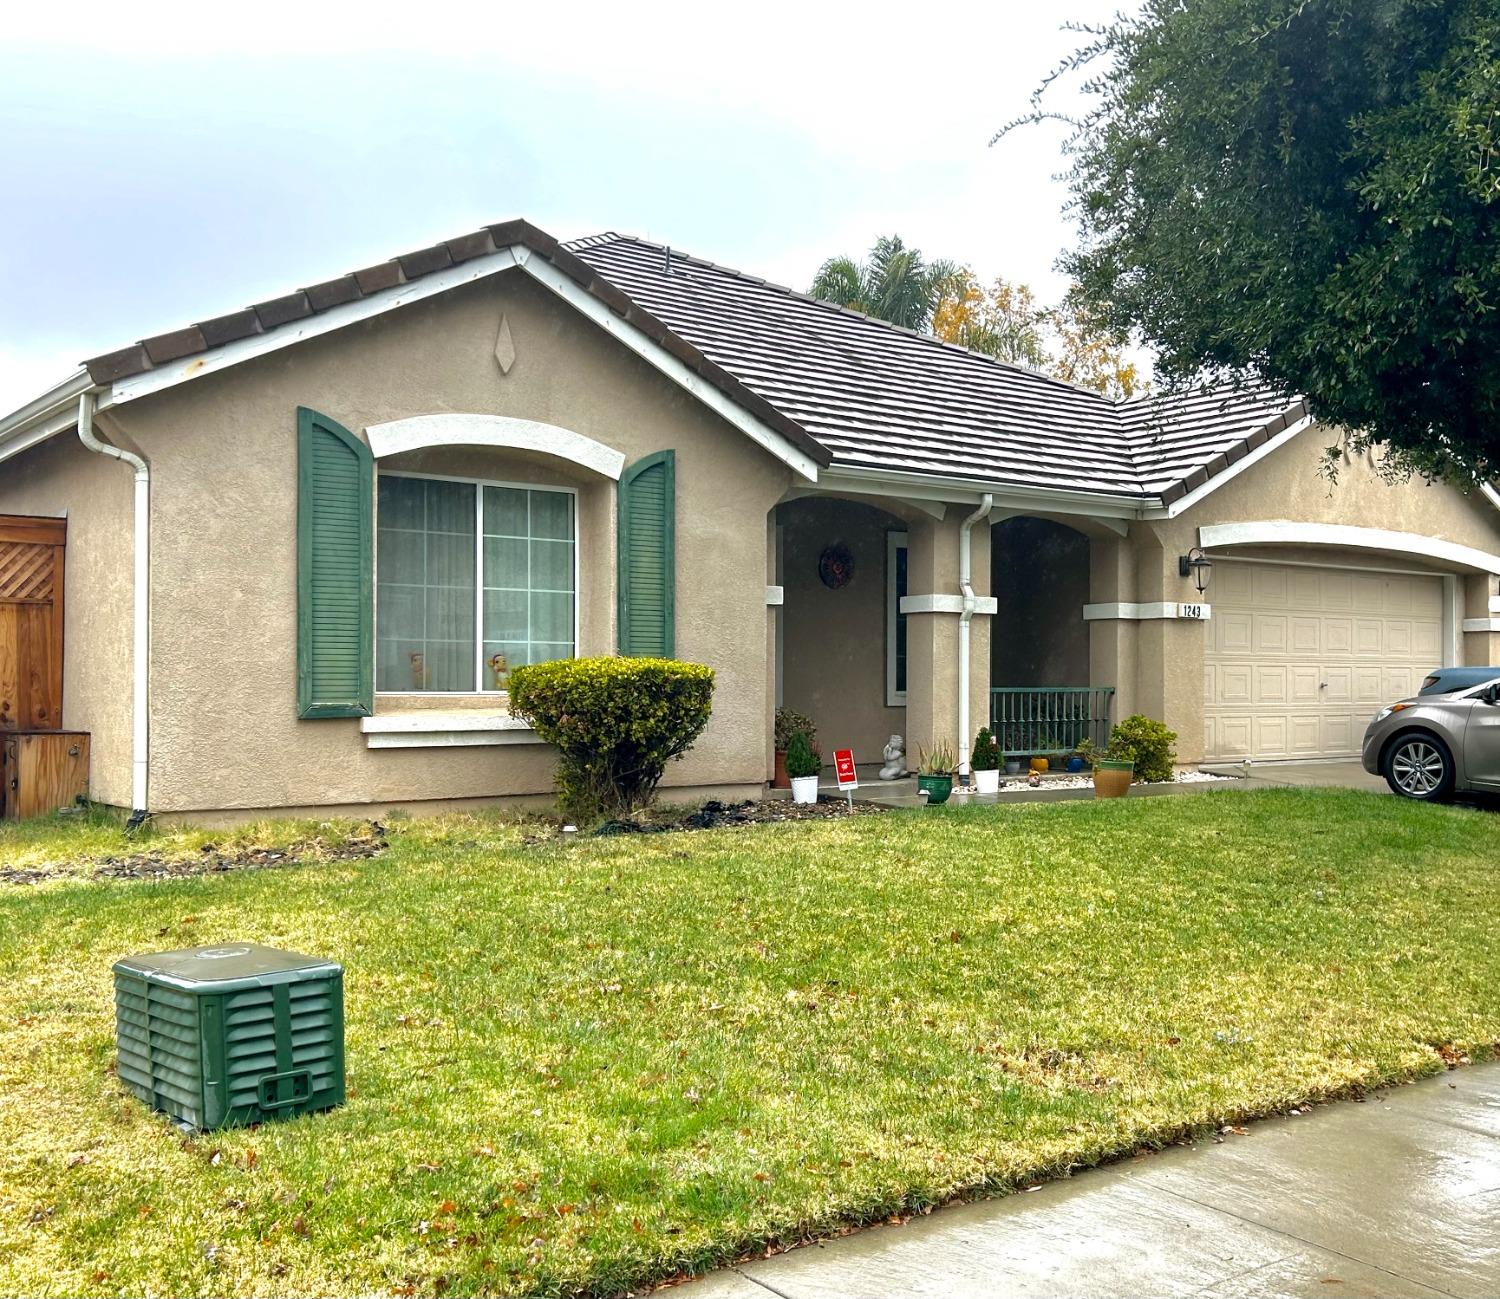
(1299, 659)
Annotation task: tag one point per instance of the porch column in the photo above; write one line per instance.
(932, 606)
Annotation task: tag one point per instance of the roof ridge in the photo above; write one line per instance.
(933, 339)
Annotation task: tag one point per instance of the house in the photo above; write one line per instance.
(304, 542)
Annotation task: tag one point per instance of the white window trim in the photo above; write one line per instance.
(479, 663)
(894, 541)
(422, 431)
(432, 728)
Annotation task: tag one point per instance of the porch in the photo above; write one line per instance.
(871, 625)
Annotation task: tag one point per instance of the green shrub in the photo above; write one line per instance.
(1147, 743)
(986, 755)
(802, 756)
(788, 722)
(616, 723)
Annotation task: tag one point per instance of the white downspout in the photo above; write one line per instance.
(141, 616)
(966, 586)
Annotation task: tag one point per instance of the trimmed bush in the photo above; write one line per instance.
(1146, 743)
(802, 757)
(986, 754)
(788, 722)
(616, 723)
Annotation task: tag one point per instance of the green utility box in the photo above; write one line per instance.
(219, 1036)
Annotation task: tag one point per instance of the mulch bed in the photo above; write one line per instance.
(211, 860)
(715, 815)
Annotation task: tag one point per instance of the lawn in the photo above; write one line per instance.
(577, 1066)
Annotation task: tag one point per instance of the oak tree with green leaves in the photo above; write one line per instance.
(1306, 193)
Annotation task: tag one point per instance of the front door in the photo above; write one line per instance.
(31, 622)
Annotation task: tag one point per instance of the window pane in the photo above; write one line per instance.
(551, 616)
(505, 562)
(528, 575)
(505, 616)
(900, 621)
(551, 566)
(505, 512)
(552, 515)
(425, 597)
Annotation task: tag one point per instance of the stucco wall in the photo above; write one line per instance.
(224, 728)
(60, 478)
(1159, 664)
(834, 642)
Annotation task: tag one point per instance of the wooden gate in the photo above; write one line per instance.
(31, 622)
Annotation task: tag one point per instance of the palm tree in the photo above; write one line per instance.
(893, 283)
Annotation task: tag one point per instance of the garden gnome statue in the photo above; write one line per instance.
(894, 754)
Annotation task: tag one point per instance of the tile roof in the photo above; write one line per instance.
(845, 388)
(881, 397)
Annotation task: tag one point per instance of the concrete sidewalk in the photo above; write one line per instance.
(1395, 1195)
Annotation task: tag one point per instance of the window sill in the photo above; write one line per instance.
(431, 728)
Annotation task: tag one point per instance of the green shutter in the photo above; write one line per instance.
(335, 570)
(648, 567)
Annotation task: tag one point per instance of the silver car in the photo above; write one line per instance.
(1434, 746)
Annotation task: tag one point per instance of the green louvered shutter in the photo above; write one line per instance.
(648, 568)
(335, 570)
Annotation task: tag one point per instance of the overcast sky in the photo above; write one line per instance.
(162, 164)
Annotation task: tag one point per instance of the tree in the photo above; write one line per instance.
(1305, 193)
(1068, 342)
(893, 283)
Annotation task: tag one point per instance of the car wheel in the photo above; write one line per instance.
(1419, 766)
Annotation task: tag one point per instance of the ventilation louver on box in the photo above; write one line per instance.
(217, 1036)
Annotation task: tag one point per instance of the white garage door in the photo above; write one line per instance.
(1300, 659)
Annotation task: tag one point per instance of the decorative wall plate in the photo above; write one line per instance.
(836, 567)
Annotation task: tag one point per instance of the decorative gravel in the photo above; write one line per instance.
(1017, 784)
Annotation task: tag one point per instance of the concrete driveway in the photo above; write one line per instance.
(1393, 1196)
(1335, 775)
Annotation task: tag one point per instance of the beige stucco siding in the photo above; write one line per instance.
(59, 478)
(1160, 663)
(224, 728)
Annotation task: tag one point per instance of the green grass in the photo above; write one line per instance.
(578, 1066)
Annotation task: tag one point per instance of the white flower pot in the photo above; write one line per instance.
(987, 782)
(804, 789)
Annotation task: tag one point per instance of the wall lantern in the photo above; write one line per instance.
(1196, 565)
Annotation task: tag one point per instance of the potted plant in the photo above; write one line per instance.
(803, 764)
(985, 762)
(788, 723)
(1113, 769)
(935, 772)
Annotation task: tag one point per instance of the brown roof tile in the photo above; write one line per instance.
(845, 388)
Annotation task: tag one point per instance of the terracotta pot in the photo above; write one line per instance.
(1112, 779)
(781, 780)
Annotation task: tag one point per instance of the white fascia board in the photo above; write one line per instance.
(1271, 444)
(970, 491)
(423, 431)
(544, 273)
(299, 331)
(43, 417)
(1284, 532)
(1491, 495)
(1147, 611)
(400, 295)
(946, 603)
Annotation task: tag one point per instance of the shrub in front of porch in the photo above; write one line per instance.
(1147, 743)
(616, 723)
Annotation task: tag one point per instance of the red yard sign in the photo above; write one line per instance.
(843, 764)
